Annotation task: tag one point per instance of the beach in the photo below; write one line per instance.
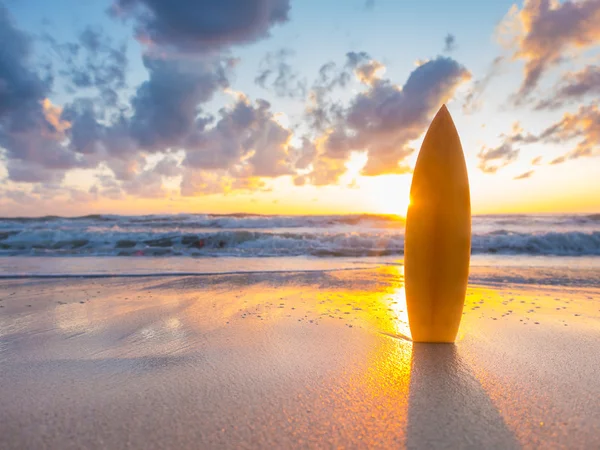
(295, 359)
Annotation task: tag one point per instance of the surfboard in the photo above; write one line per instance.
(437, 242)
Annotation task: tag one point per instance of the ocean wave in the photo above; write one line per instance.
(200, 221)
(265, 243)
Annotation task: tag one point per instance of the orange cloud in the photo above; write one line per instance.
(52, 115)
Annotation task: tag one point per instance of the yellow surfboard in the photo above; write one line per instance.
(437, 243)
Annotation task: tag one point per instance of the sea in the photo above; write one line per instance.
(539, 249)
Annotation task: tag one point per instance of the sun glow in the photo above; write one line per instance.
(383, 194)
(389, 194)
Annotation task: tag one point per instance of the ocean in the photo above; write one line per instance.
(561, 248)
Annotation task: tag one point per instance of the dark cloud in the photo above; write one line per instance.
(201, 25)
(168, 167)
(125, 169)
(167, 105)
(524, 175)
(21, 171)
(85, 132)
(92, 62)
(30, 127)
(492, 159)
(546, 30)
(449, 43)
(383, 119)
(246, 135)
(321, 111)
(42, 142)
(21, 88)
(165, 115)
(573, 87)
(277, 74)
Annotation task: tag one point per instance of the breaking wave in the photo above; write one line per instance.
(354, 241)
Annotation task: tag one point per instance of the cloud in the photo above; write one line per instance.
(449, 43)
(168, 167)
(369, 72)
(146, 184)
(85, 132)
(369, 4)
(41, 141)
(107, 187)
(166, 132)
(31, 130)
(201, 182)
(166, 105)
(38, 197)
(277, 74)
(473, 101)
(583, 126)
(492, 159)
(321, 112)
(165, 115)
(246, 135)
(524, 175)
(384, 118)
(572, 87)
(543, 30)
(325, 171)
(92, 62)
(21, 89)
(305, 154)
(202, 25)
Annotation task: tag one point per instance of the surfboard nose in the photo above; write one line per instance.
(442, 118)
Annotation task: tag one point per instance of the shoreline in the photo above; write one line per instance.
(573, 272)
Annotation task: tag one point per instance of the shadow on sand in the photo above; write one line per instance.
(448, 408)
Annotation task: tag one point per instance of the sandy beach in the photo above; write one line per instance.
(292, 360)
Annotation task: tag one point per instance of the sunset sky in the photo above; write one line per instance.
(293, 106)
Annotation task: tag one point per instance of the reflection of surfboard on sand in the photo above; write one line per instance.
(438, 235)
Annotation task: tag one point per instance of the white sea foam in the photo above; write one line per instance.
(245, 235)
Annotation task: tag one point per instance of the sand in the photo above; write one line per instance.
(291, 361)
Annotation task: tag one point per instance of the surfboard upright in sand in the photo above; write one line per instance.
(438, 235)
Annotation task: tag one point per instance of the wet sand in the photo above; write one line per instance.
(292, 360)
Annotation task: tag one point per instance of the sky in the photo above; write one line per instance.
(293, 106)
